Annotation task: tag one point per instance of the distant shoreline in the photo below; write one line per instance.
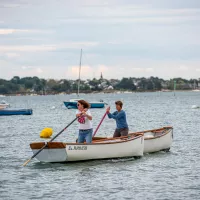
(95, 92)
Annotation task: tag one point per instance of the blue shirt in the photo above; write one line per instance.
(120, 118)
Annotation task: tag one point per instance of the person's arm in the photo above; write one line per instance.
(87, 114)
(109, 114)
(115, 115)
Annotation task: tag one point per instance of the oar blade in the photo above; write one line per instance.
(26, 162)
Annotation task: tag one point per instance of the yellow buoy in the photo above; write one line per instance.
(46, 133)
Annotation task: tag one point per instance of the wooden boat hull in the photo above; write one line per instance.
(157, 140)
(5, 112)
(100, 149)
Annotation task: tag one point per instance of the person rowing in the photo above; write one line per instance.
(85, 122)
(120, 117)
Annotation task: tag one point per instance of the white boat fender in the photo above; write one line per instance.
(195, 107)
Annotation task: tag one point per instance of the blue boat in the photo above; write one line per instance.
(4, 112)
(72, 104)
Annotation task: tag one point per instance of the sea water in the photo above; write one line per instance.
(172, 175)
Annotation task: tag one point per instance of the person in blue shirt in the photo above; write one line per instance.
(120, 117)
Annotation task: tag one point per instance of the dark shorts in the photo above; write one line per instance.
(121, 132)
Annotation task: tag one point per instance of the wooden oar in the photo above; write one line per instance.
(100, 124)
(49, 141)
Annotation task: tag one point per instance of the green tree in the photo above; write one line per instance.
(127, 84)
(29, 84)
(65, 86)
(15, 80)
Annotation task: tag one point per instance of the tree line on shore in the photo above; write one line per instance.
(28, 85)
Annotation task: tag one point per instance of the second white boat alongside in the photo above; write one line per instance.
(157, 139)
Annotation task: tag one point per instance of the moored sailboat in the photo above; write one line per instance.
(72, 103)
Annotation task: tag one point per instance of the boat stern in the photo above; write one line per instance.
(54, 152)
(158, 140)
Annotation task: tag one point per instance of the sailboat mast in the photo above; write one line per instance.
(79, 80)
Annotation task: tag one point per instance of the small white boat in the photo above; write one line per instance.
(195, 107)
(131, 146)
(157, 139)
(4, 104)
(165, 90)
(127, 92)
(196, 90)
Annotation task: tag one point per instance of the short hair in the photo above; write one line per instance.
(119, 103)
(84, 103)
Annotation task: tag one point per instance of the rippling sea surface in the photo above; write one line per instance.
(173, 175)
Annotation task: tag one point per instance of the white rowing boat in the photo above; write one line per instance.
(157, 139)
(131, 146)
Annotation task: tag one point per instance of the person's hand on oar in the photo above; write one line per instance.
(108, 109)
(82, 113)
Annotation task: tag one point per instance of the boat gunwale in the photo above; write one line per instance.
(99, 143)
(169, 129)
(35, 145)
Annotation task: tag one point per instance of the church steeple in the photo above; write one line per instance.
(101, 76)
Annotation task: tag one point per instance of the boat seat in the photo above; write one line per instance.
(159, 133)
(149, 135)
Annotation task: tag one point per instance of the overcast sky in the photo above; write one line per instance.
(120, 38)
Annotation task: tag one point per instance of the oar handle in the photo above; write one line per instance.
(100, 123)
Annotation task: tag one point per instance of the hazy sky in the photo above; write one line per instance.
(120, 38)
